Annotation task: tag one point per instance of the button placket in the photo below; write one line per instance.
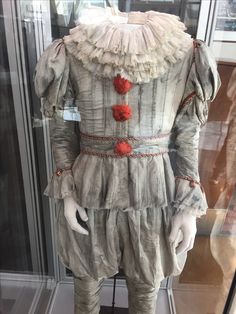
(122, 112)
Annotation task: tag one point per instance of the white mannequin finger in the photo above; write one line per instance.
(191, 244)
(71, 220)
(174, 231)
(182, 247)
(82, 213)
(184, 244)
(76, 226)
(70, 213)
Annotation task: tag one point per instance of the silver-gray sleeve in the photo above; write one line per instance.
(202, 85)
(52, 85)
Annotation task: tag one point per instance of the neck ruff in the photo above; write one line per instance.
(139, 53)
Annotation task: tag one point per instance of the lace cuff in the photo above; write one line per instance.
(61, 184)
(189, 197)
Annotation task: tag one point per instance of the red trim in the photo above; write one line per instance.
(196, 44)
(186, 99)
(192, 182)
(59, 171)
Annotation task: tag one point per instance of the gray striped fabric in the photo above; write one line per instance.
(108, 183)
(130, 201)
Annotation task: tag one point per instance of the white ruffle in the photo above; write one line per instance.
(138, 54)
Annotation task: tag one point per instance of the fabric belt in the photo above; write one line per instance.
(118, 147)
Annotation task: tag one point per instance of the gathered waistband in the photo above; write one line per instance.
(118, 147)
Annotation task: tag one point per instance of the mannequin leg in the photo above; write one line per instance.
(142, 297)
(87, 295)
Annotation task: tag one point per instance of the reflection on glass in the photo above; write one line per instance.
(211, 264)
(23, 260)
(226, 19)
(64, 13)
(222, 182)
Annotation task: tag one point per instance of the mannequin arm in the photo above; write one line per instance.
(186, 223)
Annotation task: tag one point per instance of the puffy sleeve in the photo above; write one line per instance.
(53, 87)
(202, 85)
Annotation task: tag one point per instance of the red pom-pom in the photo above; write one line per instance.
(122, 112)
(122, 86)
(123, 148)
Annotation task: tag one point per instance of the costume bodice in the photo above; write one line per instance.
(142, 95)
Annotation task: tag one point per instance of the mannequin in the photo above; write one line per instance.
(141, 85)
(182, 221)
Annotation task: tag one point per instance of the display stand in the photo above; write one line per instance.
(113, 309)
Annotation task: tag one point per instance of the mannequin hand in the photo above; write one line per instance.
(70, 209)
(187, 224)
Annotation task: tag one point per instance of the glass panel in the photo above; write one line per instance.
(26, 257)
(14, 233)
(210, 267)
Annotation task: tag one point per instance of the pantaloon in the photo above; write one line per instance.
(141, 297)
(136, 241)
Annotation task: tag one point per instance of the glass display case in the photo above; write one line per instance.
(33, 280)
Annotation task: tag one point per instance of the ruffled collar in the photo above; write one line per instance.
(139, 53)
